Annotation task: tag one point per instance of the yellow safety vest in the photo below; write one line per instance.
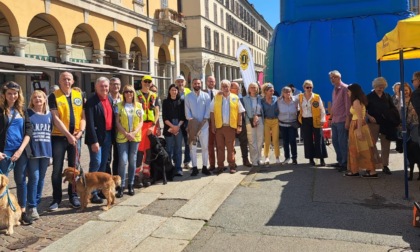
(148, 105)
(63, 109)
(316, 110)
(234, 108)
(186, 91)
(123, 117)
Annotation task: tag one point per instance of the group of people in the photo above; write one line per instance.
(117, 123)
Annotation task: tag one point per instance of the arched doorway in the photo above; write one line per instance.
(43, 39)
(162, 71)
(112, 50)
(84, 40)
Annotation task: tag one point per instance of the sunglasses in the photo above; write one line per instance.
(128, 92)
(147, 81)
(413, 80)
(308, 87)
(12, 85)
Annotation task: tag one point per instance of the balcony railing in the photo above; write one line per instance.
(169, 20)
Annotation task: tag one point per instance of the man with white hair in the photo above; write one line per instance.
(339, 119)
(226, 121)
(100, 122)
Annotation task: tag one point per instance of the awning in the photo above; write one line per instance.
(34, 63)
(111, 68)
(404, 37)
(8, 71)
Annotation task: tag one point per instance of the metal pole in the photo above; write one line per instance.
(404, 124)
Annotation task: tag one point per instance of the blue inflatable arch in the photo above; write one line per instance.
(317, 36)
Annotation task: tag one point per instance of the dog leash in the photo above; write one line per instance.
(6, 192)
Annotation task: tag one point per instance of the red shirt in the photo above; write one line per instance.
(107, 112)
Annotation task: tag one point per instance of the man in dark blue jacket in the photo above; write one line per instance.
(100, 122)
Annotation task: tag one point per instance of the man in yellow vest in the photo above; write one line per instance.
(66, 107)
(150, 103)
(226, 119)
(184, 91)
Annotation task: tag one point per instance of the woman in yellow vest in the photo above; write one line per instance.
(312, 118)
(129, 114)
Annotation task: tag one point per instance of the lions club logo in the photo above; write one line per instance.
(78, 101)
(244, 59)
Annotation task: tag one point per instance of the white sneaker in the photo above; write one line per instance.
(33, 213)
(277, 160)
(286, 161)
(267, 161)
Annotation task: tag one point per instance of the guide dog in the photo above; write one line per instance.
(8, 217)
(161, 166)
(87, 182)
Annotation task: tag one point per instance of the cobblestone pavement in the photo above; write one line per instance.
(52, 225)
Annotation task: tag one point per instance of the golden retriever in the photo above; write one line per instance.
(8, 217)
(90, 181)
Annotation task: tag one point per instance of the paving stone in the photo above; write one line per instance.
(140, 199)
(127, 235)
(95, 230)
(179, 228)
(161, 244)
(205, 203)
(187, 189)
(118, 213)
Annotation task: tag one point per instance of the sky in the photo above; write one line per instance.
(270, 9)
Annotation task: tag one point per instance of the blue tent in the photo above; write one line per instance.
(317, 36)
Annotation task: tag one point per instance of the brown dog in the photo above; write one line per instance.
(90, 181)
(8, 217)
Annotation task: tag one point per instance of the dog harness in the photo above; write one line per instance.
(6, 192)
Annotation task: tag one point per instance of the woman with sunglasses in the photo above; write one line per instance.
(312, 118)
(173, 115)
(129, 120)
(270, 113)
(15, 133)
(41, 120)
(254, 123)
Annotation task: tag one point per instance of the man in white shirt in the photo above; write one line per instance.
(226, 118)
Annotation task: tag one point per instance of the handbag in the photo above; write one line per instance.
(295, 124)
(251, 120)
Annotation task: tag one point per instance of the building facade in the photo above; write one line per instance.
(91, 38)
(414, 6)
(214, 31)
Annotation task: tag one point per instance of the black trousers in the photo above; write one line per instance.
(243, 140)
(313, 140)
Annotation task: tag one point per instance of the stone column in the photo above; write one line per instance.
(65, 53)
(177, 67)
(223, 72)
(217, 72)
(229, 73)
(98, 56)
(151, 49)
(144, 66)
(124, 59)
(19, 44)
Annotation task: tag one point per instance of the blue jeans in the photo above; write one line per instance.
(187, 157)
(99, 159)
(288, 135)
(19, 173)
(340, 142)
(128, 154)
(60, 146)
(37, 167)
(174, 149)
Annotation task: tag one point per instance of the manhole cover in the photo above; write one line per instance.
(164, 208)
(23, 243)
